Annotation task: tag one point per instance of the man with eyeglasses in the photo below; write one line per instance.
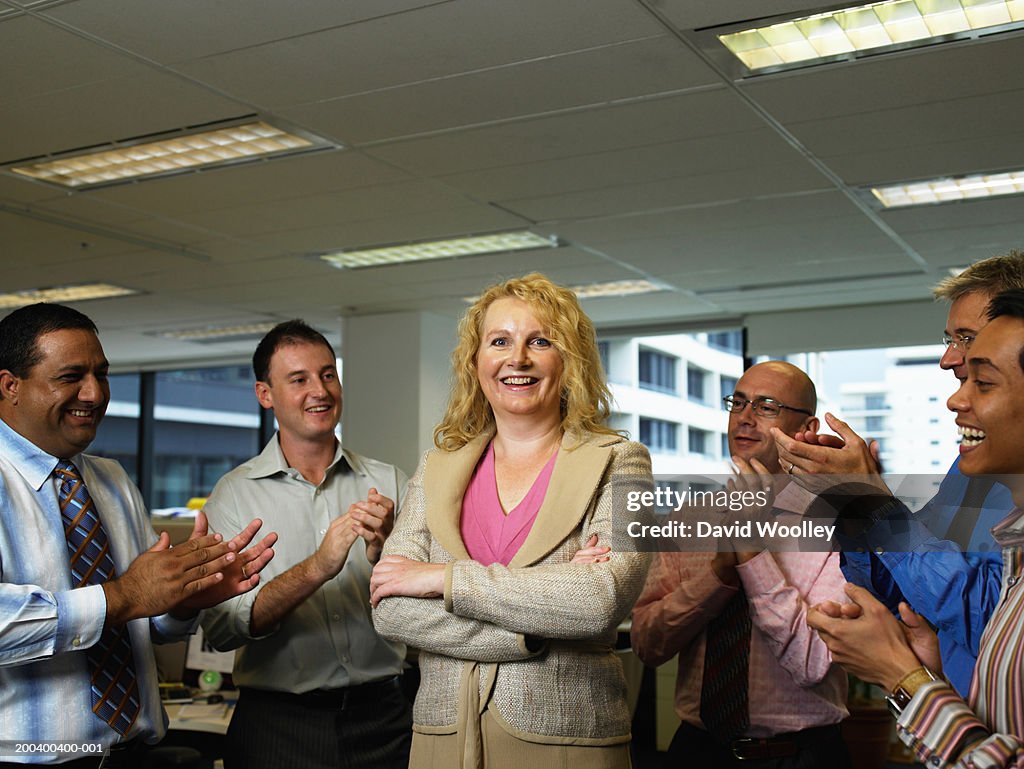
(941, 560)
(756, 687)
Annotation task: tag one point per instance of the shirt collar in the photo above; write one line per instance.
(31, 462)
(1010, 530)
(271, 461)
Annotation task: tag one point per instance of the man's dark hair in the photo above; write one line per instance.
(20, 332)
(1011, 304)
(294, 331)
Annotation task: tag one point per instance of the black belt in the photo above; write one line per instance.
(325, 699)
(781, 745)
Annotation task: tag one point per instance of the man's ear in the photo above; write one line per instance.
(264, 396)
(812, 424)
(9, 386)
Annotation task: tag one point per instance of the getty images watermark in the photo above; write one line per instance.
(775, 513)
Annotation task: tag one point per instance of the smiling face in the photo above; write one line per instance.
(989, 405)
(517, 366)
(304, 392)
(967, 316)
(749, 436)
(63, 398)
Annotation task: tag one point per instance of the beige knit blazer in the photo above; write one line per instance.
(532, 641)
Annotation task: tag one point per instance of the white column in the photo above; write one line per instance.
(395, 374)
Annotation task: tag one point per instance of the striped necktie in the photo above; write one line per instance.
(724, 706)
(113, 682)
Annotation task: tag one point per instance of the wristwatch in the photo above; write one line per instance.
(907, 687)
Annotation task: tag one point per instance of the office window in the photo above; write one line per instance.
(658, 435)
(698, 440)
(725, 446)
(728, 385)
(727, 341)
(695, 379)
(874, 402)
(207, 422)
(897, 384)
(657, 371)
(118, 434)
(602, 351)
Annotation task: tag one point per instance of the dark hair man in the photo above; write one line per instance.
(318, 686)
(84, 590)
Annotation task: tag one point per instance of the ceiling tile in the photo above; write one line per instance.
(40, 124)
(557, 83)
(935, 74)
(637, 124)
(491, 33)
(188, 29)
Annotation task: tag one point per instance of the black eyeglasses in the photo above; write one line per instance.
(763, 407)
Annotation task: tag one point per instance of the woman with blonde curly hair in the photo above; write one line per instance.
(494, 570)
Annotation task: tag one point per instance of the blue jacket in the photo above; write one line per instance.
(906, 556)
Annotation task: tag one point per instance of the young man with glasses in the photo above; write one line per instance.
(941, 560)
(755, 686)
(986, 728)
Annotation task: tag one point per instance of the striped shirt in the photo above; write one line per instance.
(45, 624)
(988, 730)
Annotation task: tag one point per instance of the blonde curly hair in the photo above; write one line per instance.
(585, 397)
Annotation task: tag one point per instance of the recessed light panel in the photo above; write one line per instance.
(874, 27)
(218, 333)
(63, 294)
(950, 189)
(175, 154)
(439, 249)
(598, 290)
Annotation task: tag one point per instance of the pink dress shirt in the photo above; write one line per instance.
(793, 683)
(491, 535)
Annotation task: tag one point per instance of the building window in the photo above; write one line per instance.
(118, 434)
(695, 384)
(698, 441)
(657, 371)
(727, 341)
(874, 402)
(728, 385)
(874, 424)
(602, 351)
(207, 422)
(725, 446)
(658, 435)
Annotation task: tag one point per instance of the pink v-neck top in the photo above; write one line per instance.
(489, 534)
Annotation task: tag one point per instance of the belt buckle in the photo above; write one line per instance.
(738, 747)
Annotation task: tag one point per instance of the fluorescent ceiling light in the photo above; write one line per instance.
(872, 27)
(178, 153)
(218, 333)
(475, 245)
(599, 290)
(950, 189)
(75, 293)
(616, 288)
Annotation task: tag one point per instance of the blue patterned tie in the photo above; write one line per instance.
(724, 707)
(115, 699)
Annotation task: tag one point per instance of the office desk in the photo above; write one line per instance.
(212, 724)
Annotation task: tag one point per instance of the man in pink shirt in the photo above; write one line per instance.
(755, 685)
